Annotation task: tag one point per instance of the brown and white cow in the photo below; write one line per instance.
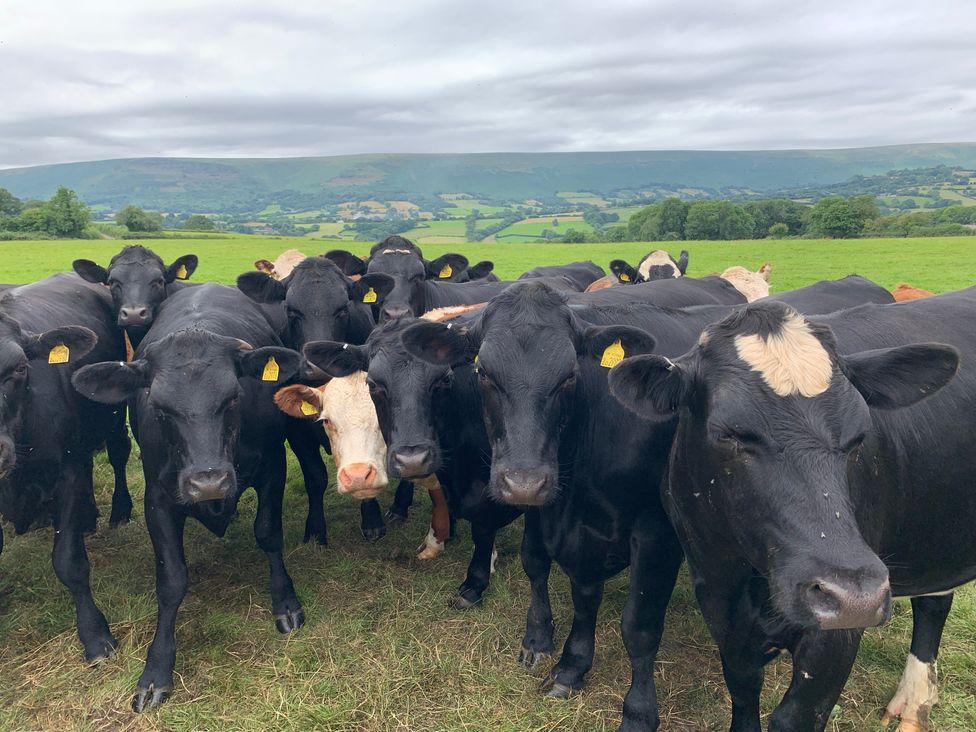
(753, 285)
(282, 266)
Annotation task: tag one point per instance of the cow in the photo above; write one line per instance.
(201, 392)
(321, 303)
(814, 460)
(829, 296)
(907, 292)
(581, 274)
(754, 285)
(282, 266)
(656, 265)
(48, 432)
(560, 449)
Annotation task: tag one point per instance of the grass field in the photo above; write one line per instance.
(380, 649)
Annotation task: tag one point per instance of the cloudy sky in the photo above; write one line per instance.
(94, 79)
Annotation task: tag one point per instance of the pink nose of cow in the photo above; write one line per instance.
(133, 316)
(841, 603)
(358, 479)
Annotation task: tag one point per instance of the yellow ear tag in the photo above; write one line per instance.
(181, 273)
(612, 355)
(271, 370)
(445, 272)
(308, 410)
(58, 354)
(370, 295)
(624, 277)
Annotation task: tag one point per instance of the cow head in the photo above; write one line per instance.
(320, 301)
(344, 409)
(656, 265)
(535, 362)
(772, 422)
(20, 354)
(137, 278)
(193, 382)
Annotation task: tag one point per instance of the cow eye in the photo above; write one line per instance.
(568, 383)
(327, 423)
(374, 387)
(294, 314)
(21, 370)
(158, 284)
(853, 443)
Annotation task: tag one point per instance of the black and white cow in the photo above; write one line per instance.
(656, 265)
(582, 274)
(200, 392)
(814, 462)
(48, 432)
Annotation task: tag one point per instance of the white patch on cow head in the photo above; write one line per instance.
(752, 285)
(358, 448)
(657, 258)
(282, 266)
(439, 315)
(397, 251)
(790, 361)
(918, 692)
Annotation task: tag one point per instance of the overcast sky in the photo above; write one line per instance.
(95, 79)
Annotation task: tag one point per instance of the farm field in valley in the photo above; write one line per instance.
(381, 650)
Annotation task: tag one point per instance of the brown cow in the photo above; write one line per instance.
(906, 292)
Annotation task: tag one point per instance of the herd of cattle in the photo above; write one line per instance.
(809, 453)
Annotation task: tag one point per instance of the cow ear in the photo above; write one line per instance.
(299, 401)
(683, 261)
(182, 268)
(651, 386)
(610, 344)
(441, 344)
(623, 271)
(371, 289)
(348, 262)
(480, 270)
(69, 344)
(261, 288)
(90, 272)
(271, 363)
(892, 378)
(446, 266)
(111, 382)
(264, 265)
(337, 359)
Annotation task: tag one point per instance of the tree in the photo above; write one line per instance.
(65, 215)
(645, 225)
(779, 230)
(703, 220)
(10, 205)
(672, 215)
(836, 218)
(135, 219)
(735, 222)
(199, 222)
(574, 236)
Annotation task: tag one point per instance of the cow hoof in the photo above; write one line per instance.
(374, 534)
(394, 517)
(531, 659)
(290, 621)
(461, 602)
(904, 725)
(101, 651)
(146, 699)
(114, 523)
(319, 535)
(561, 691)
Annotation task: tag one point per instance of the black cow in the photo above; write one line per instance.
(814, 463)
(581, 274)
(321, 303)
(656, 265)
(48, 432)
(829, 296)
(674, 293)
(200, 392)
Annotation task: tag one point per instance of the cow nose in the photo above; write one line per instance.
(209, 485)
(412, 462)
(133, 316)
(394, 312)
(844, 603)
(525, 487)
(357, 478)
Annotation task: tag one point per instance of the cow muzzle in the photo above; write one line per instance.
(393, 312)
(208, 485)
(844, 603)
(360, 480)
(524, 487)
(414, 461)
(130, 315)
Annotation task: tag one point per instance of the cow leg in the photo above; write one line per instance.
(270, 485)
(166, 532)
(119, 446)
(655, 557)
(371, 520)
(537, 641)
(479, 568)
(744, 682)
(440, 522)
(76, 508)
(918, 690)
(567, 675)
(306, 449)
(822, 661)
(401, 502)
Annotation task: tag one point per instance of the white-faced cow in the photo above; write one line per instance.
(656, 265)
(820, 467)
(753, 285)
(282, 266)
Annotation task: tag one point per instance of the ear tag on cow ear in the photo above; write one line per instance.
(623, 277)
(370, 296)
(58, 354)
(308, 409)
(445, 272)
(612, 355)
(271, 370)
(181, 273)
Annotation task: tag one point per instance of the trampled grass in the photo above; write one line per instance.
(380, 649)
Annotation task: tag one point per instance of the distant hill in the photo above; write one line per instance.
(250, 185)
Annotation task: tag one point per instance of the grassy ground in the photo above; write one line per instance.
(381, 650)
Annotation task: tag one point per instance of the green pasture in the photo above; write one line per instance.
(381, 650)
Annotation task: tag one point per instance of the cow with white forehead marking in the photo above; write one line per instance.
(813, 464)
(655, 265)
